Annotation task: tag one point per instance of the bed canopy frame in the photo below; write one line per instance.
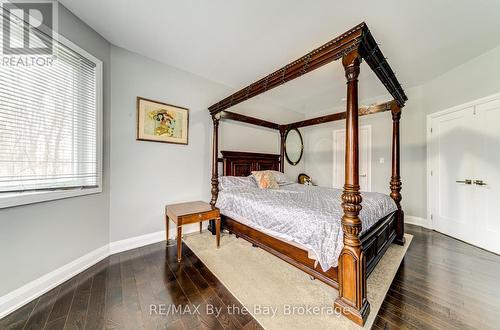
(352, 47)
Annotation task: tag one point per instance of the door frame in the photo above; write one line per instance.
(369, 169)
(430, 117)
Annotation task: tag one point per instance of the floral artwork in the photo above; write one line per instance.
(161, 122)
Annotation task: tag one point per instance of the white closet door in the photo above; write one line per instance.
(365, 147)
(487, 190)
(465, 145)
(452, 165)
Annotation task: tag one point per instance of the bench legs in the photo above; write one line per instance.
(179, 243)
(217, 231)
(167, 227)
(179, 235)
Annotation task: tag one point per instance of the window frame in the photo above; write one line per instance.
(31, 197)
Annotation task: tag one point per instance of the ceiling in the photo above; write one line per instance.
(316, 93)
(235, 42)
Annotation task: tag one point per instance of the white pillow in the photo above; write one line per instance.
(281, 177)
(228, 182)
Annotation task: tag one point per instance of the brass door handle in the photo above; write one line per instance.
(464, 181)
(480, 183)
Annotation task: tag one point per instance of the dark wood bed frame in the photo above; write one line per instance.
(360, 253)
(374, 242)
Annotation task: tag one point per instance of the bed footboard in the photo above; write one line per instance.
(377, 240)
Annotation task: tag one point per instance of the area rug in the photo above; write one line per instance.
(280, 296)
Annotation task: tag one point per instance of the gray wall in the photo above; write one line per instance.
(477, 78)
(38, 238)
(147, 175)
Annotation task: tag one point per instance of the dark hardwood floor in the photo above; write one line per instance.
(441, 284)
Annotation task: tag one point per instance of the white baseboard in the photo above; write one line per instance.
(135, 242)
(34, 289)
(21, 296)
(422, 222)
(143, 240)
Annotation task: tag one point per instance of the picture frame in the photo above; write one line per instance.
(161, 122)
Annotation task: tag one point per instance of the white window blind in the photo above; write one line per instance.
(49, 124)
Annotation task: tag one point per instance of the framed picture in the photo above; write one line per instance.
(161, 122)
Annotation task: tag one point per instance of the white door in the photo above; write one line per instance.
(465, 182)
(365, 146)
(452, 165)
(487, 189)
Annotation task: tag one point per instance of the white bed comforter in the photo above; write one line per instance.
(307, 215)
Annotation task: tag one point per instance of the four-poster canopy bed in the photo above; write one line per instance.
(360, 252)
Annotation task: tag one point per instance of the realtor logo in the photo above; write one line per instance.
(27, 27)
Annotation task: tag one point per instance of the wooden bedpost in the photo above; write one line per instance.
(282, 148)
(352, 300)
(215, 167)
(215, 162)
(395, 184)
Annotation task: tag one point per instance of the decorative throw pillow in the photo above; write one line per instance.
(265, 179)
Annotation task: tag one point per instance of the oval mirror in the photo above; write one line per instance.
(294, 146)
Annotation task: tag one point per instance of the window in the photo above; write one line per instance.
(50, 127)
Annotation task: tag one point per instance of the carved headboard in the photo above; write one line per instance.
(238, 163)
